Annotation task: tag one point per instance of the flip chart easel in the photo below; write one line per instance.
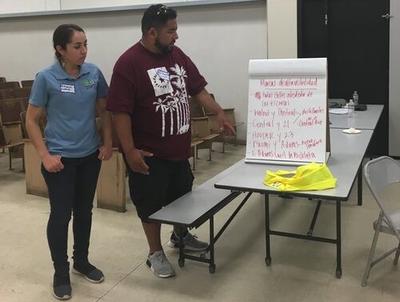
(287, 111)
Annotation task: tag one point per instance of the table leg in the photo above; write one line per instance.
(181, 260)
(339, 240)
(314, 219)
(359, 186)
(267, 232)
(211, 267)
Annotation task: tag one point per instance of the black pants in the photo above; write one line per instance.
(71, 190)
(167, 180)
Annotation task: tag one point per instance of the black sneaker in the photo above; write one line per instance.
(62, 287)
(190, 243)
(89, 272)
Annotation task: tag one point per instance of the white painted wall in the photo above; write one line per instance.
(79, 4)
(24, 6)
(282, 28)
(220, 39)
(394, 80)
(12, 6)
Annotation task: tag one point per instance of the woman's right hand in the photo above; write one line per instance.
(52, 163)
(135, 159)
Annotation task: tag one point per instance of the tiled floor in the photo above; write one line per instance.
(301, 270)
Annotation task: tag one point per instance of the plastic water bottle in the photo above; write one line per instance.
(355, 97)
(350, 113)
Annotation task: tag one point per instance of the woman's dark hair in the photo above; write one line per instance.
(157, 15)
(62, 36)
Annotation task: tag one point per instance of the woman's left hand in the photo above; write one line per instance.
(105, 152)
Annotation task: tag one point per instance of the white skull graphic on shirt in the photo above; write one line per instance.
(170, 88)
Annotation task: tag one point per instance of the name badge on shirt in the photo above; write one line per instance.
(67, 88)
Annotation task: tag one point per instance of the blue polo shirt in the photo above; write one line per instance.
(70, 105)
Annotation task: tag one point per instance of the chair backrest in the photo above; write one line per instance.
(380, 174)
(213, 123)
(200, 127)
(10, 109)
(23, 125)
(12, 133)
(27, 83)
(7, 93)
(23, 92)
(3, 80)
(2, 138)
(12, 84)
(230, 115)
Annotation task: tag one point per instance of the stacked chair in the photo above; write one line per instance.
(205, 126)
(13, 102)
(230, 114)
(202, 136)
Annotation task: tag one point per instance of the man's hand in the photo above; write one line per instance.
(135, 160)
(224, 125)
(209, 103)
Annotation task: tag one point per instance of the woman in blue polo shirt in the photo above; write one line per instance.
(70, 92)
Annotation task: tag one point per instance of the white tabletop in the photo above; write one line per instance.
(367, 119)
(347, 152)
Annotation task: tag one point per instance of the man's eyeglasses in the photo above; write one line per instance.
(162, 10)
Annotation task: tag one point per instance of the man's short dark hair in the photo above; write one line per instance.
(157, 15)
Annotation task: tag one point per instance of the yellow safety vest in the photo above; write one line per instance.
(308, 177)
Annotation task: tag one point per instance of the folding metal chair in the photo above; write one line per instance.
(380, 174)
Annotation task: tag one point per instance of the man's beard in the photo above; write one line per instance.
(163, 48)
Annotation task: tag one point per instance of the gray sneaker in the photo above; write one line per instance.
(190, 243)
(159, 265)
